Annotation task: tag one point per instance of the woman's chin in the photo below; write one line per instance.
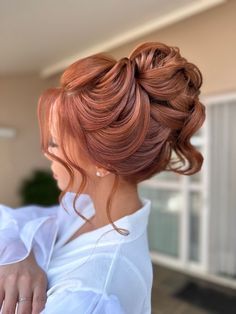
(58, 184)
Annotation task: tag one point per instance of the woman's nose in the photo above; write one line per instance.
(46, 155)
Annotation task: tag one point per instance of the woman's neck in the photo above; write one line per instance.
(125, 201)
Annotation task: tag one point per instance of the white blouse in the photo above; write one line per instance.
(99, 272)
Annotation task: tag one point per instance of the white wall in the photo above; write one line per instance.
(19, 155)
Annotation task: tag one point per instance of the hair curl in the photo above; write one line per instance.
(128, 116)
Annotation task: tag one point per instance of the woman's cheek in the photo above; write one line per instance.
(61, 183)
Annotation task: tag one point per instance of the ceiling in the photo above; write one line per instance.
(47, 35)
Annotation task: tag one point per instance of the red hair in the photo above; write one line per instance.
(127, 116)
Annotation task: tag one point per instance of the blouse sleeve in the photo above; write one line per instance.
(82, 302)
(25, 228)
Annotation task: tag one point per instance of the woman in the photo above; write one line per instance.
(109, 126)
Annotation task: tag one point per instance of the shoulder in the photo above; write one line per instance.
(110, 266)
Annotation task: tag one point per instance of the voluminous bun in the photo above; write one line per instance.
(172, 88)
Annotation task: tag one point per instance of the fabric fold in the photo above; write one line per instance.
(37, 228)
(82, 301)
(24, 229)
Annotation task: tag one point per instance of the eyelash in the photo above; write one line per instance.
(52, 144)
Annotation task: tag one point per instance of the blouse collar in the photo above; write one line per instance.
(136, 223)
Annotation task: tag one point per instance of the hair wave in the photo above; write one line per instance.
(128, 116)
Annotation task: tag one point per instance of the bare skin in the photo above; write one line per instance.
(24, 278)
(133, 205)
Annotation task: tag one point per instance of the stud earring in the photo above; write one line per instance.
(98, 174)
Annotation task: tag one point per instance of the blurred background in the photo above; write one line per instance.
(192, 234)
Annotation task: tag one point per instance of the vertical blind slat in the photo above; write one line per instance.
(222, 188)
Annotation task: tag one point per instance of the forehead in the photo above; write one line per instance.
(53, 120)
